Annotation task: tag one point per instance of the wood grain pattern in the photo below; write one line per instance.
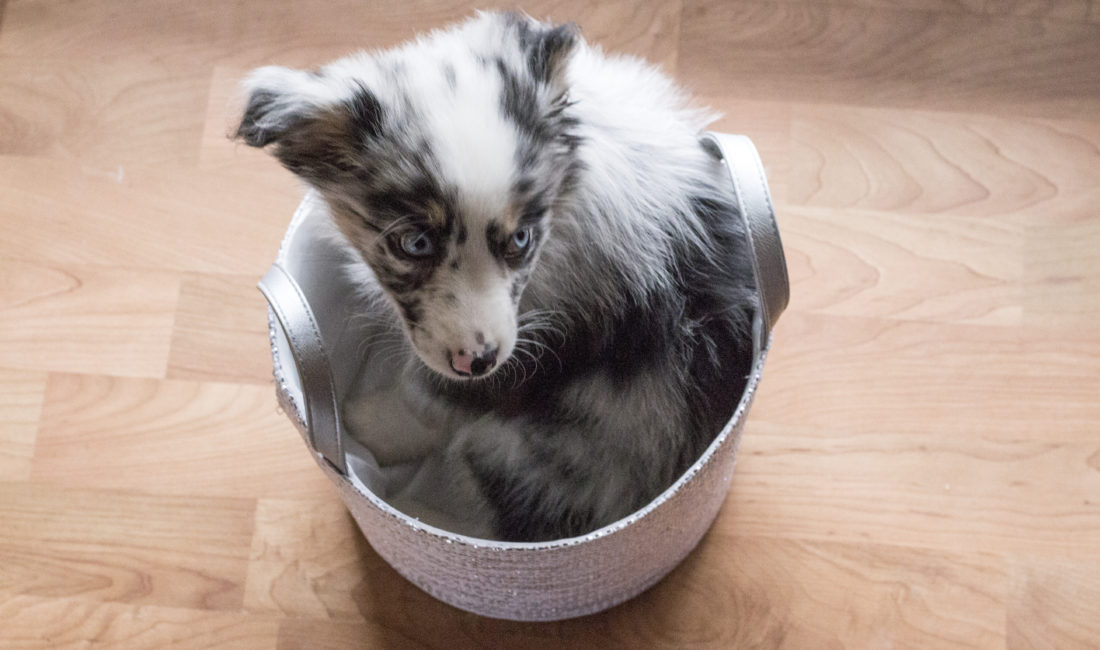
(240, 35)
(860, 263)
(211, 439)
(1049, 603)
(307, 634)
(930, 490)
(818, 52)
(107, 116)
(85, 319)
(921, 468)
(881, 376)
(61, 623)
(917, 162)
(802, 595)
(1062, 268)
(123, 546)
(307, 560)
(1066, 10)
(220, 331)
(21, 395)
(146, 217)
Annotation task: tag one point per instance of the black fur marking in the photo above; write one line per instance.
(534, 212)
(524, 185)
(460, 239)
(495, 237)
(546, 49)
(411, 310)
(410, 200)
(550, 49)
(366, 113)
(519, 102)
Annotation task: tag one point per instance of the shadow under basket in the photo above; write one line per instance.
(314, 343)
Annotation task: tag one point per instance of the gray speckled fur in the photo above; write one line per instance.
(626, 325)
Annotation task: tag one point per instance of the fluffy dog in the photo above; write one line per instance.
(555, 245)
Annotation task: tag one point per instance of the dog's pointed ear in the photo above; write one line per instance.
(548, 49)
(278, 100)
(550, 52)
(313, 123)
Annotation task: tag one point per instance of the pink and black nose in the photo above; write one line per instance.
(474, 364)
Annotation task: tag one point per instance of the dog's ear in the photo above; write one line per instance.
(312, 122)
(547, 49)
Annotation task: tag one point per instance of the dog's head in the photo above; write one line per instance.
(441, 162)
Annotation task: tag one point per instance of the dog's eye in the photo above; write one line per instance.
(417, 243)
(521, 239)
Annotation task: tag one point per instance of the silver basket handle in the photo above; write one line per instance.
(322, 413)
(755, 205)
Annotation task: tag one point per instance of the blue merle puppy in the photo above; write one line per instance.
(559, 253)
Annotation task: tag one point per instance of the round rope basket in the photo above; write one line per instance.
(314, 343)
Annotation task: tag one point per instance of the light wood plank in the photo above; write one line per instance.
(1062, 267)
(902, 377)
(856, 263)
(157, 217)
(1053, 602)
(123, 547)
(21, 395)
(781, 594)
(306, 634)
(220, 331)
(242, 36)
(1074, 11)
(1069, 10)
(171, 437)
(62, 623)
(85, 318)
(919, 162)
(309, 560)
(822, 52)
(110, 116)
(932, 490)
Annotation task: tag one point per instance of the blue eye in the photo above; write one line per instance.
(417, 243)
(520, 240)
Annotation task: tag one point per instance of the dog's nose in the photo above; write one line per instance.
(474, 364)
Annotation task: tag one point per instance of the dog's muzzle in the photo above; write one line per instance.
(474, 364)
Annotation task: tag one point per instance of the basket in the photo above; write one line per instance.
(538, 581)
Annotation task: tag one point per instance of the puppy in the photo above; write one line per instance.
(560, 253)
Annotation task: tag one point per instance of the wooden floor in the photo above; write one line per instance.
(921, 468)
